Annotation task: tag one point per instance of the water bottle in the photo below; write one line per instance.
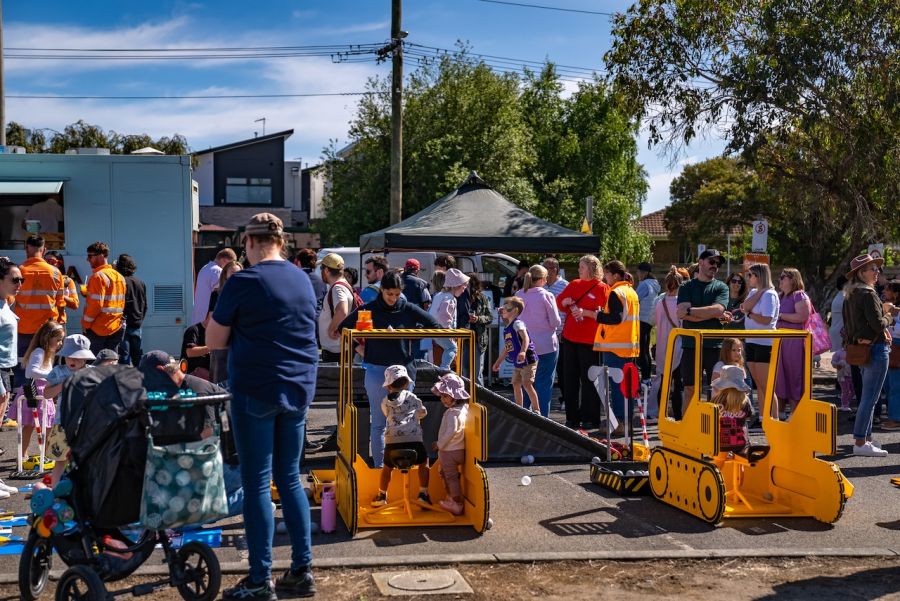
(329, 510)
(576, 313)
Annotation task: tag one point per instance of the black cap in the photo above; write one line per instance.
(155, 359)
(645, 266)
(710, 253)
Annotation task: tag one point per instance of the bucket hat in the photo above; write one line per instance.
(394, 373)
(861, 261)
(731, 376)
(77, 346)
(455, 278)
(452, 385)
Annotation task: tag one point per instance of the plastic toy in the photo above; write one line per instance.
(782, 479)
(356, 483)
(33, 466)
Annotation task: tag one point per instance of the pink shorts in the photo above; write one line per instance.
(27, 417)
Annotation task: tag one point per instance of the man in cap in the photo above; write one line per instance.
(415, 289)
(267, 313)
(701, 304)
(337, 306)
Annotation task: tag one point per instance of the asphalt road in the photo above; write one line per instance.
(561, 514)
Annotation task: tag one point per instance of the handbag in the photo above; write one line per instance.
(815, 325)
(183, 484)
(858, 354)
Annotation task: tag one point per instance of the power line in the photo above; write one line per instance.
(566, 10)
(188, 97)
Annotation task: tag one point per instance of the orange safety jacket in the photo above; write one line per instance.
(105, 301)
(622, 339)
(40, 299)
(70, 294)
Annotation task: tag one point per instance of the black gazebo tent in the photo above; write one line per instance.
(476, 218)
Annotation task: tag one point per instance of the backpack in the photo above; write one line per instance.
(354, 305)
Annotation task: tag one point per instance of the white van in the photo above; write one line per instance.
(492, 268)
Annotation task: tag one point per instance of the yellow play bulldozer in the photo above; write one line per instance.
(356, 483)
(780, 479)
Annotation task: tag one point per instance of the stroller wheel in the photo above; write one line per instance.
(80, 583)
(197, 568)
(34, 566)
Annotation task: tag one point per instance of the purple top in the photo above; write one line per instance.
(542, 318)
(789, 305)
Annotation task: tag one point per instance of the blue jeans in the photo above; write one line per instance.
(873, 376)
(894, 392)
(616, 398)
(543, 382)
(269, 441)
(479, 364)
(375, 391)
(130, 350)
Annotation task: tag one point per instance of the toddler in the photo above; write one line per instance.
(403, 410)
(76, 351)
(38, 362)
(844, 378)
(730, 394)
(451, 442)
(519, 350)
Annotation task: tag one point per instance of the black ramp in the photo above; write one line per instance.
(512, 431)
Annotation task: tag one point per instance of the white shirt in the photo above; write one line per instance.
(207, 280)
(339, 293)
(768, 305)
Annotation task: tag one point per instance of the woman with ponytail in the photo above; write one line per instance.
(541, 318)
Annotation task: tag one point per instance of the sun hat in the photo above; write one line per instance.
(455, 278)
(394, 373)
(452, 385)
(861, 261)
(333, 261)
(77, 346)
(106, 355)
(731, 376)
(710, 253)
(264, 224)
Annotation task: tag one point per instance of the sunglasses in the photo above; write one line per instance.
(19, 281)
(735, 281)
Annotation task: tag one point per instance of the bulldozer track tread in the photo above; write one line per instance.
(692, 485)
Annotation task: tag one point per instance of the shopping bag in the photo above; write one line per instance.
(821, 341)
(183, 484)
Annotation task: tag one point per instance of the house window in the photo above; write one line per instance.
(248, 190)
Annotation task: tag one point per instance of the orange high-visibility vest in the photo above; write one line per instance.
(104, 301)
(40, 298)
(70, 295)
(622, 339)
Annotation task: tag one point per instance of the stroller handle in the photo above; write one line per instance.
(176, 401)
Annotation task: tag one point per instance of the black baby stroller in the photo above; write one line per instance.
(107, 418)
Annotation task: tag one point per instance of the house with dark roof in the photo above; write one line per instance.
(668, 248)
(239, 179)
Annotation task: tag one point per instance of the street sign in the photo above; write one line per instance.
(700, 249)
(753, 258)
(760, 236)
(585, 226)
(877, 251)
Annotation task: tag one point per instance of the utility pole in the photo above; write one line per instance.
(2, 87)
(397, 36)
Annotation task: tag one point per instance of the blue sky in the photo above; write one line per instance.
(516, 32)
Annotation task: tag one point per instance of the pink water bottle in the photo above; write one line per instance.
(329, 510)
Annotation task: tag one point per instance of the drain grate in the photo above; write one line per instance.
(421, 582)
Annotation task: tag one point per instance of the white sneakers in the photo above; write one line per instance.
(867, 449)
(10, 490)
(4, 494)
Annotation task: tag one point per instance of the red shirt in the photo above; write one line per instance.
(590, 295)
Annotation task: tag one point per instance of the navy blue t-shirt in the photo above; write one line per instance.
(271, 309)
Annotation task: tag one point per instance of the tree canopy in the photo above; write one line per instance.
(806, 91)
(85, 135)
(542, 150)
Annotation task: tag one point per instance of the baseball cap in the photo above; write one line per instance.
(106, 355)
(412, 264)
(155, 359)
(263, 224)
(710, 253)
(333, 261)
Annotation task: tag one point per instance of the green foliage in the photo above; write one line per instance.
(805, 90)
(544, 152)
(85, 135)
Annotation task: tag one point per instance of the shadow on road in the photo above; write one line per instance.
(869, 584)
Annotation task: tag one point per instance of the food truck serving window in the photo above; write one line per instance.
(31, 208)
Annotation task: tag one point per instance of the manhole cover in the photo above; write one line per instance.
(421, 582)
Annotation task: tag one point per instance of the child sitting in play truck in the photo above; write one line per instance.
(730, 394)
